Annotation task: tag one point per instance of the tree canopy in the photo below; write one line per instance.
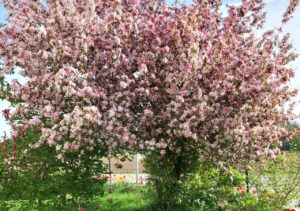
(141, 74)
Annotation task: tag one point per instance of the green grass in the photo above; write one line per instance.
(125, 197)
(119, 197)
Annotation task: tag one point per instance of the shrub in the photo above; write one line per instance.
(277, 181)
(212, 189)
(38, 177)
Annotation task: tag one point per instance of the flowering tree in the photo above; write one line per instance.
(141, 74)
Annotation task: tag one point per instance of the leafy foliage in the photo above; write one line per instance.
(277, 181)
(170, 172)
(36, 175)
(212, 189)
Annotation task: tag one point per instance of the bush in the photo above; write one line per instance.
(212, 189)
(277, 181)
(272, 184)
(43, 180)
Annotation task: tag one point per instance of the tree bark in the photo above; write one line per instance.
(247, 181)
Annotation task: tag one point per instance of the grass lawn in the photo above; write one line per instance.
(117, 197)
(126, 197)
(121, 197)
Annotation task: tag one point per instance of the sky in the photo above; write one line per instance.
(274, 8)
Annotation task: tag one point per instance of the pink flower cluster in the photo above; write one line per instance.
(17, 131)
(290, 10)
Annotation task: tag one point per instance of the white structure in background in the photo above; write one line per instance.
(137, 158)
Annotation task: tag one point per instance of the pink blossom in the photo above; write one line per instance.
(14, 153)
(14, 136)
(7, 160)
(5, 113)
(290, 10)
(21, 132)
(50, 141)
(66, 145)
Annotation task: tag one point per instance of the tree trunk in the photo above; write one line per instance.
(247, 181)
(40, 202)
(63, 198)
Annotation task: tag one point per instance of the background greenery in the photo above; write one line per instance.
(208, 189)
